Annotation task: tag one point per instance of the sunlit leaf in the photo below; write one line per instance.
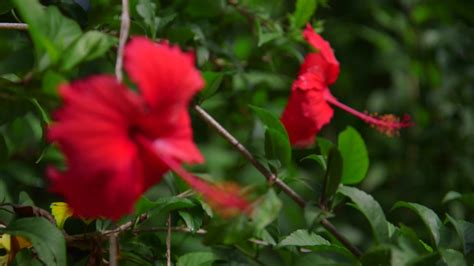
(354, 156)
(303, 238)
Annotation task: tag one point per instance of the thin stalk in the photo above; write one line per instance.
(14, 26)
(124, 30)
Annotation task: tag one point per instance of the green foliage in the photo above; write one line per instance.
(354, 155)
(267, 211)
(197, 258)
(303, 11)
(47, 240)
(371, 210)
(396, 57)
(303, 238)
(277, 144)
(428, 216)
(334, 168)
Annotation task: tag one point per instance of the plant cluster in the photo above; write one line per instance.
(202, 132)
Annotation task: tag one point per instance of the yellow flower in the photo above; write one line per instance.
(11, 245)
(61, 212)
(5, 244)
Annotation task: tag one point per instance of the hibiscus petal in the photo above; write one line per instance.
(329, 62)
(305, 114)
(98, 194)
(103, 177)
(164, 74)
(225, 199)
(92, 127)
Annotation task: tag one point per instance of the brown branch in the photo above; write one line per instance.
(113, 247)
(271, 178)
(333, 230)
(14, 26)
(104, 234)
(124, 30)
(168, 242)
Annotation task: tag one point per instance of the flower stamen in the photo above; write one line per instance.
(387, 124)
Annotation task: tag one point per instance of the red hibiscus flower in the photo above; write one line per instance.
(309, 107)
(118, 142)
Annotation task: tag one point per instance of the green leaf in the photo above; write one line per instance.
(199, 258)
(193, 221)
(354, 156)
(452, 257)
(4, 153)
(324, 145)
(268, 33)
(317, 158)
(429, 218)
(303, 238)
(277, 143)
(303, 11)
(323, 257)
(467, 198)
(41, 112)
(229, 232)
(162, 205)
(465, 231)
(26, 257)
(91, 45)
(380, 255)
(269, 119)
(51, 32)
(371, 209)
(147, 10)
(269, 206)
(277, 147)
(51, 81)
(25, 199)
(332, 178)
(213, 81)
(313, 214)
(47, 240)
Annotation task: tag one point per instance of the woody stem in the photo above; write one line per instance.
(124, 30)
(13, 26)
(272, 178)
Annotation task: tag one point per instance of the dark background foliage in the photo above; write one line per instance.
(405, 56)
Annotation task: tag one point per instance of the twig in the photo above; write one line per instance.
(101, 235)
(168, 242)
(124, 30)
(187, 230)
(14, 26)
(113, 246)
(271, 178)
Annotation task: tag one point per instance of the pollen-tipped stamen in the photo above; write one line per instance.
(388, 124)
